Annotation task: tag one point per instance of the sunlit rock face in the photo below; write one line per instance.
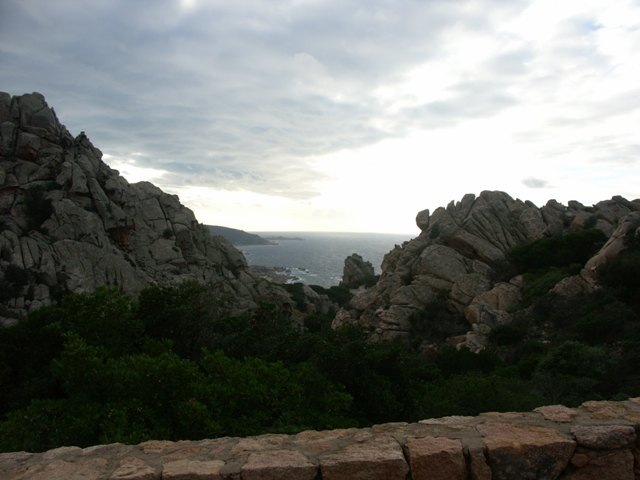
(69, 223)
(460, 258)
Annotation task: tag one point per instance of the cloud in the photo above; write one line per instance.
(247, 95)
(533, 182)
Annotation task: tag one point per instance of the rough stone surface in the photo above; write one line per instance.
(192, 470)
(491, 446)
(278, 465)
(605, 437)
(536, 452)
(134, 469)
(379, 460)
(615, 465)
(557, 413)
(435, 458)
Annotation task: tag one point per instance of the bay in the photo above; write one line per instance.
(317, 258)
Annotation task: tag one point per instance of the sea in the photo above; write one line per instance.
(317, 258)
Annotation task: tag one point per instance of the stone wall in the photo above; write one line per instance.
(598, 440)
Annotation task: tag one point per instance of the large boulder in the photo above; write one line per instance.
(357, 272)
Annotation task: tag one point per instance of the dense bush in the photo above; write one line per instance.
(557, 251)
(105, 368)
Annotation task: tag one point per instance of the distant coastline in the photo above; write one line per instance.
(280, 237)
(316, 258)
(239, 237)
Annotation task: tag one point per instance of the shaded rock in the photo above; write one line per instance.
(607, 437)
(617, 465)
(533, 452)
(357, 272)
(422, 219)
(617, 243)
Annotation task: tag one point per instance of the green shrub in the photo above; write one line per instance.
(474, 392)
(508, 334)
(539, 283)
(571, 372)
(557, 251)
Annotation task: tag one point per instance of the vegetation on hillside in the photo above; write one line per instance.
(104, 367)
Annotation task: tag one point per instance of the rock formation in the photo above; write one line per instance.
(460, 255)
(69, 223)
(357, 272)
(596, 441)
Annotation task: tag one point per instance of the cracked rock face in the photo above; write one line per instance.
(460, 254)
(69, 223)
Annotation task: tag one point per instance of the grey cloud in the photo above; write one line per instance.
(214, 94)
(533, 182)
(469, 100)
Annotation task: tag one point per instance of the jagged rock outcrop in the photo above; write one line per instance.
(596, 441)
(357, 272)
(460, 255)
(69, 223)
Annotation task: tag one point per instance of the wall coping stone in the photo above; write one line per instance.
(598, 440)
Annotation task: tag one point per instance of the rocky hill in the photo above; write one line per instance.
(461, 258)
(238, 237)
(69, 223)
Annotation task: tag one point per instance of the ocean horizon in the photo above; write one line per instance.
(317, 258)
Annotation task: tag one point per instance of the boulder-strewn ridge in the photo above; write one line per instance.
(460, 256)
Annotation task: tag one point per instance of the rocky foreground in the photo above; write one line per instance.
(598, 440)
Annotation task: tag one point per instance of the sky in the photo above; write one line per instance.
(341, 115)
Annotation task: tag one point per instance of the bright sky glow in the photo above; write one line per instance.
(341, 116)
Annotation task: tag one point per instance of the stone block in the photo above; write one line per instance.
(192, 470)
(557, 413)
(132, 468)
(616, 465)
(436, 458)
(278, 465)
(378, 459)
(525, 451)
(604, 437)
(92, 469)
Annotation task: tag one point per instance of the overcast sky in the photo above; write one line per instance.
(341, 115)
